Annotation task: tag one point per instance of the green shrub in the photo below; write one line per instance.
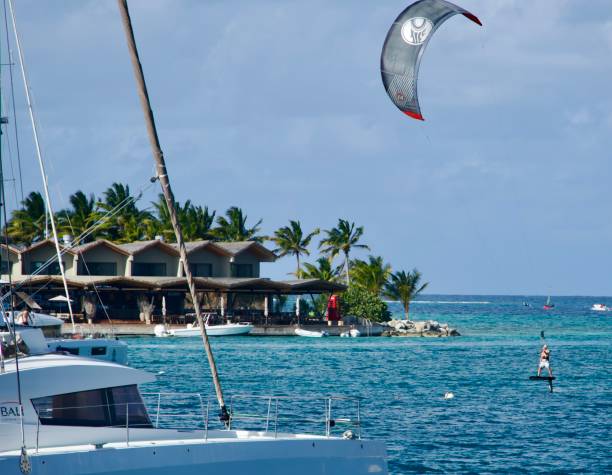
(364, 304)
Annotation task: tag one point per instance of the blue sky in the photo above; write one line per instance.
(278, 107)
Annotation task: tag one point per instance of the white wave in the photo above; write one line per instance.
(454, 302)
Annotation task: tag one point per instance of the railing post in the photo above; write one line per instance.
(127, 424)
(268, 415)
(276, 420)
(202, 414)
(328, 418)
(158, 407)
(207, 412)
(358, 419)
(231, 413)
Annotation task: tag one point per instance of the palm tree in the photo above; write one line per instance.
(232, 227)
(371, 275)
(322, 271)
(77, 220)
(27, 224)
(128, 223)
(196, 222)
(343, 238)
(404, 286)
(291, 241)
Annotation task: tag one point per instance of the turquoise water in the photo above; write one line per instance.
(498, 421)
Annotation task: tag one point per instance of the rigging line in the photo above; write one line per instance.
(11, 83)
(93, 283)
(10, 281)
(10, 155)
(114, 211)
(40, 160)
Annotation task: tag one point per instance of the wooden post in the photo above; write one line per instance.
(162, 176)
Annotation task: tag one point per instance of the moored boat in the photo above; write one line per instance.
(600, 307)
(81, 415)
(310, 333)
(193, 330)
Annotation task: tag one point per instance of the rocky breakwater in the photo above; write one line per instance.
(429, 328)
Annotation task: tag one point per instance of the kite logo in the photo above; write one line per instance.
(416, 30)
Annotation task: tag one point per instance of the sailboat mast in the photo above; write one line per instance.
(40, 162)
(162, 176)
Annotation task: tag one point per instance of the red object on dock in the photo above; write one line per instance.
(333, 309)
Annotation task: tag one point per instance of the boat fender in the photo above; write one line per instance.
(348, 434)
(332, 423)
(24, 462)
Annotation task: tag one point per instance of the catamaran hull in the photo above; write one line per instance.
(269, 457)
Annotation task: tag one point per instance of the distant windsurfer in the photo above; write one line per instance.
(545, 361)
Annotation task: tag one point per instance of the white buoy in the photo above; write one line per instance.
(159, 373)
(448, 395)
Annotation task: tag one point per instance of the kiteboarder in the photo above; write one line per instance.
(545, 360)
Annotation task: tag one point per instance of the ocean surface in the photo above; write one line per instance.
(498, 421)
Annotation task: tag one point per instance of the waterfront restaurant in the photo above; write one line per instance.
(134, 281)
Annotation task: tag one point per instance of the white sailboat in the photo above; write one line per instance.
(88, 416)
(105, 348)
(62, 414)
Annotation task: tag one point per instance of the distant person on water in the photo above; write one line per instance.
(545, 360)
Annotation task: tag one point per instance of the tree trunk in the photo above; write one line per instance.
(146, 308)
(346, 264)
(298, 273)
(407, 310)
(89, 308)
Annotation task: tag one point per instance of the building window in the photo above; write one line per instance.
(199, 269)
(157, 269)
(6, 267)
(98, 408)
(51, 269)
(242, 270)
(100, 268)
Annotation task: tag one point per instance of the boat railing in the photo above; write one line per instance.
(192, 412)
(269, 413)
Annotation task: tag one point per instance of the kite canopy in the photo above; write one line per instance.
(404, 46)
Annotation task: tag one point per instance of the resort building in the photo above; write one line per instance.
(129, 281)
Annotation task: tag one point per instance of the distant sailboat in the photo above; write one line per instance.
(549, 305)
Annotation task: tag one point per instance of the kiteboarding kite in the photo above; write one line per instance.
(404, 46)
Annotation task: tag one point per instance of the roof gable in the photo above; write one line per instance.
(47, 242)
(83, 248)
(137, 247)
(238, 247)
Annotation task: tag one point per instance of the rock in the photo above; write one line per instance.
(427, 328)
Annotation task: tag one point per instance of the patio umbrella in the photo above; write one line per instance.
(60, 298)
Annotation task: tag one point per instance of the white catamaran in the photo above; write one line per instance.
(67, 415)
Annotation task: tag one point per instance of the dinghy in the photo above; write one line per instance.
(309, 333)
(600, 307)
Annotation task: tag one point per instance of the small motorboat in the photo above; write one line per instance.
(352, 333)
(549, 305)
(600, 307)
(193, 330)
(310, 334)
